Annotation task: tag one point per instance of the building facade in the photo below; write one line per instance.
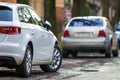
(38, 5)
(12, 1)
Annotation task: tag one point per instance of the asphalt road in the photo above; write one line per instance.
(84, 67)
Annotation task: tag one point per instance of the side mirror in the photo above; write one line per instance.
(47, 25)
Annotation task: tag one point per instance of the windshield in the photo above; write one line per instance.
(87, 22)
(5, 14)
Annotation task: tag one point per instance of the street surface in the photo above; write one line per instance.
(84, 67)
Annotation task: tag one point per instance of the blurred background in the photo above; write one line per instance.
(59, 12)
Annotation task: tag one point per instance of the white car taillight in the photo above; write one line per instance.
(66, 34)
(102, 33)
(11, 30)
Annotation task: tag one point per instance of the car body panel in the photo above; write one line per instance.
(14, 46)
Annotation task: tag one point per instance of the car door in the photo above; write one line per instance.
(42, 39)
(31, 29)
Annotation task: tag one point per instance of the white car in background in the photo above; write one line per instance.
(25, 40)
(89, 34)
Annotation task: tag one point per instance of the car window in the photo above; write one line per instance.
(5, 14)
(20, 15)
(24, 15)
(86, 22)
(36, 18)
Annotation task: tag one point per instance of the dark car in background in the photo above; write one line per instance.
(117, 31)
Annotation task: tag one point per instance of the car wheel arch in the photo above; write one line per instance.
(31, 45)
(56, 43)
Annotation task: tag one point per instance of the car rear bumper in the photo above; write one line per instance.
(85, 43)
(12, 53)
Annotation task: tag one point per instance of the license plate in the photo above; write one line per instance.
(83, 34)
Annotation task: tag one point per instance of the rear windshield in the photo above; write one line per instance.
(86, 22)
(5, 13)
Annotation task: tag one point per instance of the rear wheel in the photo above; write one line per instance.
(108, 53)
(74, 54)
(65, 53)
(55, 63)
(115, 52)
(24, 69)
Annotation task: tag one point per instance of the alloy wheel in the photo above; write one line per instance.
(55, 59)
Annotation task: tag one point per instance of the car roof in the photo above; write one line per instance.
(85, 17)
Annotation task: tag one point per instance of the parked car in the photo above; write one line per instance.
(25, 40)
(117, 31)
(89, 34)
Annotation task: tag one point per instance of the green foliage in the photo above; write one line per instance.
(22, 1)
(80, 8)
(85, 11)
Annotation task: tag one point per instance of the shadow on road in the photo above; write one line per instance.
(7, 73)
(88, 55)
(40, 73)
(84, 60)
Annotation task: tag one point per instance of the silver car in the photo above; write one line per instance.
(89, 34)
(26, 41)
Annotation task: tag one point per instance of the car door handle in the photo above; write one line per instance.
(33, 33)
(43, 35)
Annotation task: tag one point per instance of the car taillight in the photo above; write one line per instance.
(102, 33)
(11, 30)
(66, 34)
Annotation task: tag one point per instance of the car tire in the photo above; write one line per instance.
(24, 69)
(55, 63)
(74, 54)
(65, 53)
(108, 53)
(115, 52)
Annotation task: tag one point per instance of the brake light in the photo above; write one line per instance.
(11, 30)
(102, 33)
(66, 34)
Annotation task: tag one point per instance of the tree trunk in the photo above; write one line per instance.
(105, 7)
(80, 8)
(50, 14)
(116, 18)
(76, 8)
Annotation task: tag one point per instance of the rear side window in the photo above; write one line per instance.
(24, 15)
(5, 13)
(86, 22)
